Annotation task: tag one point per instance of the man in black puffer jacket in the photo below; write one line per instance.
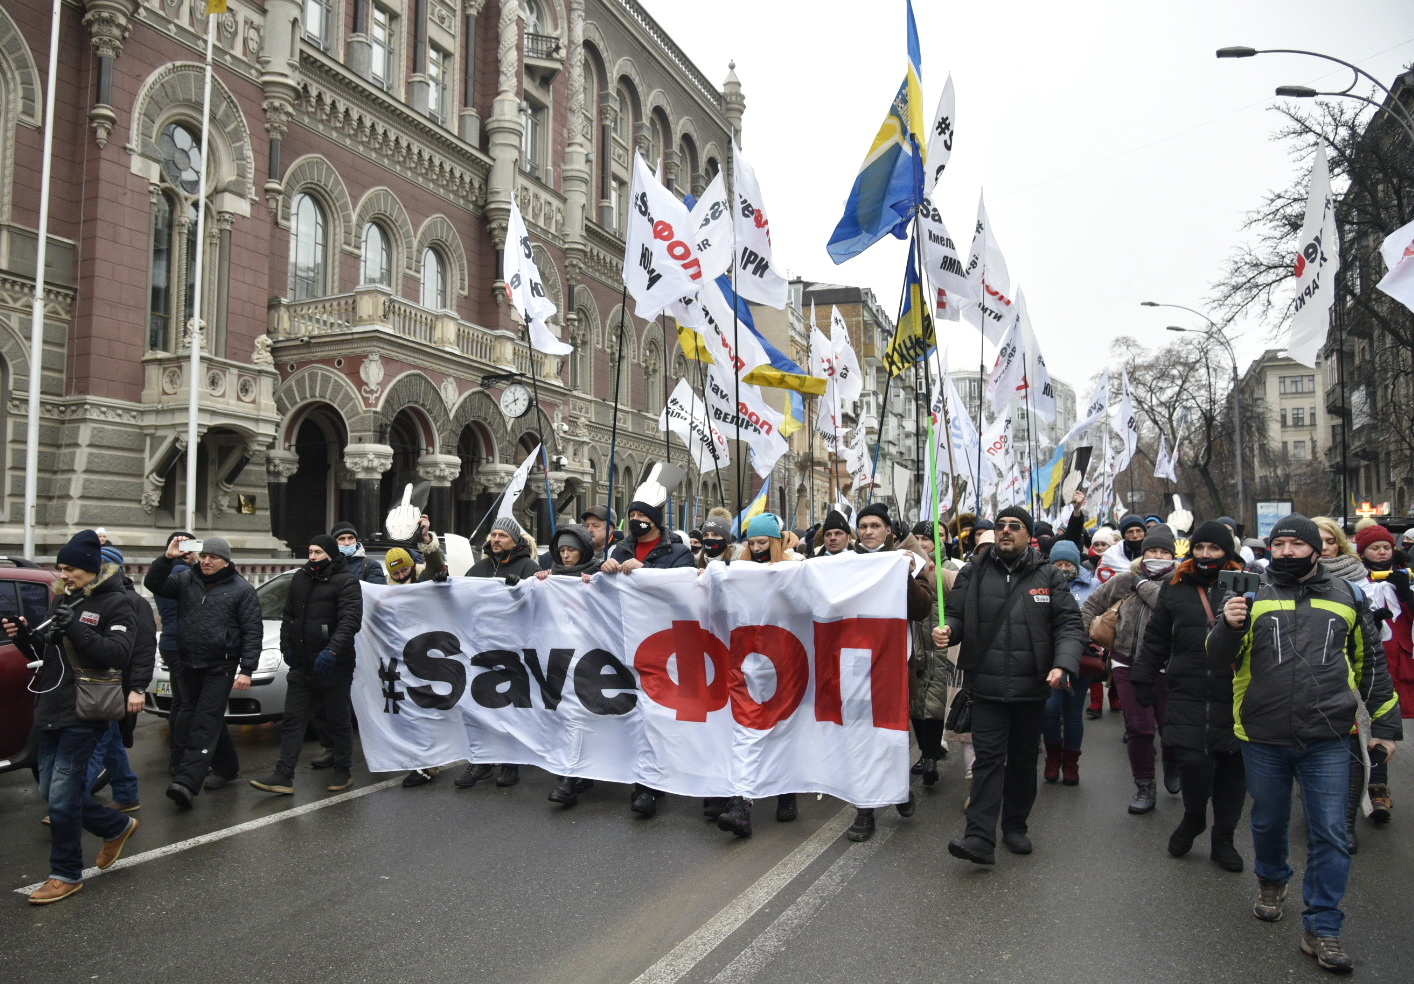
(1021, 636)
(323, 613)
(221, 635)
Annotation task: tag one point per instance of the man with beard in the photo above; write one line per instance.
(834, 536)
(1306, 653)
(1021, 637)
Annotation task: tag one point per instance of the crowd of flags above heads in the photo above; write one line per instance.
(701, 261)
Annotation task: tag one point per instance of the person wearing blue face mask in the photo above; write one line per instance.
(360, 566)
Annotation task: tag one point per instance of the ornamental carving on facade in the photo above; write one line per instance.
(372, 372)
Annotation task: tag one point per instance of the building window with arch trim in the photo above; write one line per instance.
(434, 280)
(384, 43)
(172, 258)
(309, 248)
(377, 262)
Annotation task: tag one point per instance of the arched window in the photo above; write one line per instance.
(652, 379)
(377, 266)
(309, 249)
(623, 119)
(434, 280)
(172, 260)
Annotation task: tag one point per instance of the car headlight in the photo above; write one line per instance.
(269, 661)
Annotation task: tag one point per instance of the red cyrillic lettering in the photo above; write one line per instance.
(691, 695)
(792, 667)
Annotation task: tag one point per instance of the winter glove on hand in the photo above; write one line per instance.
(325, 662)
(512, 580)
(1399, 580)
(63, 617)
(441, 576)
(1144, 694)
(1382, 614)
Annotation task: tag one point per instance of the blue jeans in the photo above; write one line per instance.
(63, 782)
(111, 755)
(1064, 720)
(1323, 770)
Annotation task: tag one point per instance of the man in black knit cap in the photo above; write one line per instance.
(1020, 632)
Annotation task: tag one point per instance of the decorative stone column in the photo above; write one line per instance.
(109, 22)
(441, 470)
(280, 467)
(505, 128)
(367, 463)
(494, 477)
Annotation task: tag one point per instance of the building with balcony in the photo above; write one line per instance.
(362, 158)
(1287, 400)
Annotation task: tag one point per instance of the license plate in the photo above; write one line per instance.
(163, 690)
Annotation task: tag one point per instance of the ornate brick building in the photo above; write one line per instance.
(362, 161)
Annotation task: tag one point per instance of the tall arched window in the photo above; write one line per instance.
(172, 258)
(434, 280)
(309, 249)
(377, 266)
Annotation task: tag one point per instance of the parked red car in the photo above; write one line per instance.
(24, 591)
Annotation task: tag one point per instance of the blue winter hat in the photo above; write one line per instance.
(1065, 550)
(764, 524)
(83, 551)
(112, 555)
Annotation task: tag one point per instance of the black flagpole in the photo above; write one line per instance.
(614, 430)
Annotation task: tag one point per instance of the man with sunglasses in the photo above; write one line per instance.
(1021, 637)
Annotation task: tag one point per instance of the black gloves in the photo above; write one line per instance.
(512, 580)
(1382, 614)
(1399, 579)
(63, 616)
(1144, 694)
(441, 576)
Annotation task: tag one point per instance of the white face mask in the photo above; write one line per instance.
(1157, 567)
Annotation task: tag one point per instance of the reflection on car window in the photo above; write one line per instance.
(34, 598)
(272, 597)
(9, 606)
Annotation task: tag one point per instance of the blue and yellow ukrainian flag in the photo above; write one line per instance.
(914, 339)
(889, 185)
(1050, 476)
(757, 507)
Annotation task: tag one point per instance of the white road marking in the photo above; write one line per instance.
(751, 961)
(680, 960)
(219, 835)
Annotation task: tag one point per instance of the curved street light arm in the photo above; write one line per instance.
(1359, 72)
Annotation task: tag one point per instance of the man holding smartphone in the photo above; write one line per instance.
(1305, 651)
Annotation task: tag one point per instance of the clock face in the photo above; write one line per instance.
(515, 401)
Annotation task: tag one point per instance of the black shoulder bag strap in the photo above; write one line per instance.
(1013, 596)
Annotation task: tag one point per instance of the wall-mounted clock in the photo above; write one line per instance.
(515, 401)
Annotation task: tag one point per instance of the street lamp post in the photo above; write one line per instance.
(1403, 116)
(1213, 331)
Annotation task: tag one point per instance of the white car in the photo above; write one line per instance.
(265, 700)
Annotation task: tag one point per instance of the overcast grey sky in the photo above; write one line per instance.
(1117, 153)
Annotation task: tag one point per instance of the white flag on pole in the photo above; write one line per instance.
(710, 316)
(686, 416)
(517, 484)
(997, 442)
(525, 288)
(1317, 262)
(940, 140)
(1128, 426)
(1398, 252)
(988, 302)
(757, 279)
(760, 423)
(660, 261)
(848, 378)
(712, 229)
(1166, 465)
(1094, 409)
(1020, 371)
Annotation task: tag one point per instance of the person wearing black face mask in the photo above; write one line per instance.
(1306, 652)
(1197, 729)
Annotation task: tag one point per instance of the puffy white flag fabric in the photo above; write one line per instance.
(1398, 252)
(940, 139)
(746, 681)
(1093, 410)
(1020, 371)
(517, 484)
(660, 260)
(848, 377)
(1317, 263)
(1128, 426)
(987, 303)
(686, 416)
(527, 291)
(757, 278)
(712, 229)
(760, 423)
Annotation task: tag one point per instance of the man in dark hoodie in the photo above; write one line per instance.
(1021, 636)
(323, 613)
(221, 637)
(90, 626)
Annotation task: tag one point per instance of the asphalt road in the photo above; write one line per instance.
(384, 884)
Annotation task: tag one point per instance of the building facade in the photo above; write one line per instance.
(1289, 403)
(362, 157)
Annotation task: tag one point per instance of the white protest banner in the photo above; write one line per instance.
(660, 265)
(760, 423)
(525, 288)
(1317, 262)
(848, 377)
(987, 303)
(1128, 426)
(686, 416)
(517, 484)
(807, 688)
(757, 278)
(1398, 253)
(1020, 371)
(712, 229)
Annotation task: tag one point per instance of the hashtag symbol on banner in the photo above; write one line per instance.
(388, 673)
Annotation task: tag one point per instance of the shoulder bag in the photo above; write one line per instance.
(98, 694)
